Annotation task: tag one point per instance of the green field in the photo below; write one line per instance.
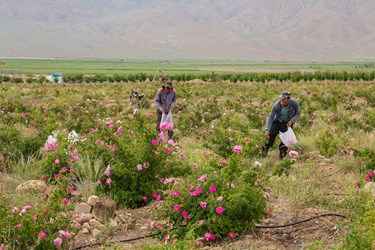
(171, 67)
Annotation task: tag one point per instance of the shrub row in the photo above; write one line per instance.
(232, 77)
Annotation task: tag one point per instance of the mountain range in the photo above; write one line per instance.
(291, 30)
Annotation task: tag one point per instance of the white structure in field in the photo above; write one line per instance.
(52, 78)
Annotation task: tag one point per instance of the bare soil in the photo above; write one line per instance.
(323, 229)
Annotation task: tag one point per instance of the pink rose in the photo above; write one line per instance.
(293, 154)
(57, 241)
(176, 208)
(237, 149)
(212, 189)
(203, 204)
(175, 193)
(219, 210)
(231, 235)
(42, 235)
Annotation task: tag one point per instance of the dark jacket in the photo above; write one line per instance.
(294, 112)
(164, 99)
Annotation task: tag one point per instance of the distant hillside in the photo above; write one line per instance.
(191, 29)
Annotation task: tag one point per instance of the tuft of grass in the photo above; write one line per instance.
(88, 169)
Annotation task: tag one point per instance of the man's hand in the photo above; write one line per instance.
(268, 135)
(162, 110)
(289, 124)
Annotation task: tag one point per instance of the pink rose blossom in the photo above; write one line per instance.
(219, 210)
(51, 144)
(108, 181)
(351, 153)
(67, 235)
(135, 112)
(195, 165)
(17, 226)
(139, 167)
(57, 176)
(223, 161)
(64, 201)
(161, 136)
(156, 196)
(145, 198)
(175, 193)
(220, 198)
(149, 115)
(203, 204)
(114, 148)
(57, 161)
(182, 155)
(269, 212)
(185, 214)
(170, 141)
(293, 154)
(167, 150)
(231, 235)
(213, 189)
(154, 142)
(201, 223)
(209, 236)
(237, 149)
(246, 139)
(57, 241)
(15, 210)
(42, 235)
(98, 183)
(107, 171)
(176, 208)
(152, 225)
(202, 179)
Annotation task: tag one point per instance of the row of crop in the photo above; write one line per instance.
(232, 77)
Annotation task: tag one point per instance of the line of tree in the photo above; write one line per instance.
(232, 77)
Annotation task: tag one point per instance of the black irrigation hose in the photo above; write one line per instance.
(302, 221)
(260, 227)
(125, 240)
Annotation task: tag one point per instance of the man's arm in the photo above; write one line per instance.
(158, 101)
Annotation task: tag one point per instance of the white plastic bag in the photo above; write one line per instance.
(166, 123)
(288, 138)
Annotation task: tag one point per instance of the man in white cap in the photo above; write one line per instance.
(284, 114)
(165, 100)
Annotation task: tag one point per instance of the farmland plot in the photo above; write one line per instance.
(210, 183)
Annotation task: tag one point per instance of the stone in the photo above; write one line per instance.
(77, 226)
(87, 226)
(36, 186)
(200, 242)
(113, 223)
(97, 224)
(82, 208)
(85, 218)
(97, 233)
(92, 200)
(85, 231)
(104, 208)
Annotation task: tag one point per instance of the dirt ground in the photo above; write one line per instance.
(323, 229)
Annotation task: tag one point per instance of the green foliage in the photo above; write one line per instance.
(283, 166)
(215, 202)
(23, 228)
(327, 143)
(362, 233)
